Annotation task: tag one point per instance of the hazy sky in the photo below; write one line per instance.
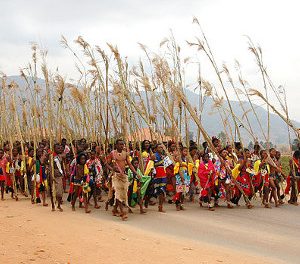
(271, 23)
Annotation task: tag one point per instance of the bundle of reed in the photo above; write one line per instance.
(45, 72)
(21, 138)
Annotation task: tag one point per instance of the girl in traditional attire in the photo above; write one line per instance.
(146, 153)
(182, 171)
(95, 173)
(261, 178)
(80, 179)
(41, 181)
(138, 184)
(160, 177)
(206, 174)
(3, 163)
(295, 177)
(224, 177)
(243, 184)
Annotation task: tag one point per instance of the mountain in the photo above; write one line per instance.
(212, 121)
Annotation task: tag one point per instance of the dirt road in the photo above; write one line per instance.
(33, 234)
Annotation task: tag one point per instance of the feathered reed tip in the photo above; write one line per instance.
(255, 92)
(239, 91)
(135, 72)
(103, 55)
(280, 89)
(163, 42)
(60, 86)
(152, 118)
(207, 87)
(237, 64)
(77, 95)
(143, 47)
(81, 42)
(195, 20)
(225, 69)
(34, 49)
(117, 88)
(162, 70)
(187, 59)
(3, 75)
(199, 45)
(22, 74)
(114, 50)
(64, 42)
(93, 62)
(146, 83)
(218, 101)
(12, 85)
(242, 82)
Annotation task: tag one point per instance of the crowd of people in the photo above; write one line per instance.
(146, 174)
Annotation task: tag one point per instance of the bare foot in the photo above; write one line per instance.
(268, 206)
(249, 206)
(45, 204)
(152, 203)
(53, 209)
(60, 209)
(142, 211)
(124, 217)
(87, 211)
(161, 210)
(115, 213)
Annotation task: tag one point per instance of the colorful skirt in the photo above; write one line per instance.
(160, 186)
(182, 187)
(133, 190)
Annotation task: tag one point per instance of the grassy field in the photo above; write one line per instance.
(285, 164)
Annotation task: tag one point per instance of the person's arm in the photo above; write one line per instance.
(108, 162)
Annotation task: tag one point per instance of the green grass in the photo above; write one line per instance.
(285, 164)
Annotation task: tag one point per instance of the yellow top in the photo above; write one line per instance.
(149, 167)
(189, 167)
(257, 164)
